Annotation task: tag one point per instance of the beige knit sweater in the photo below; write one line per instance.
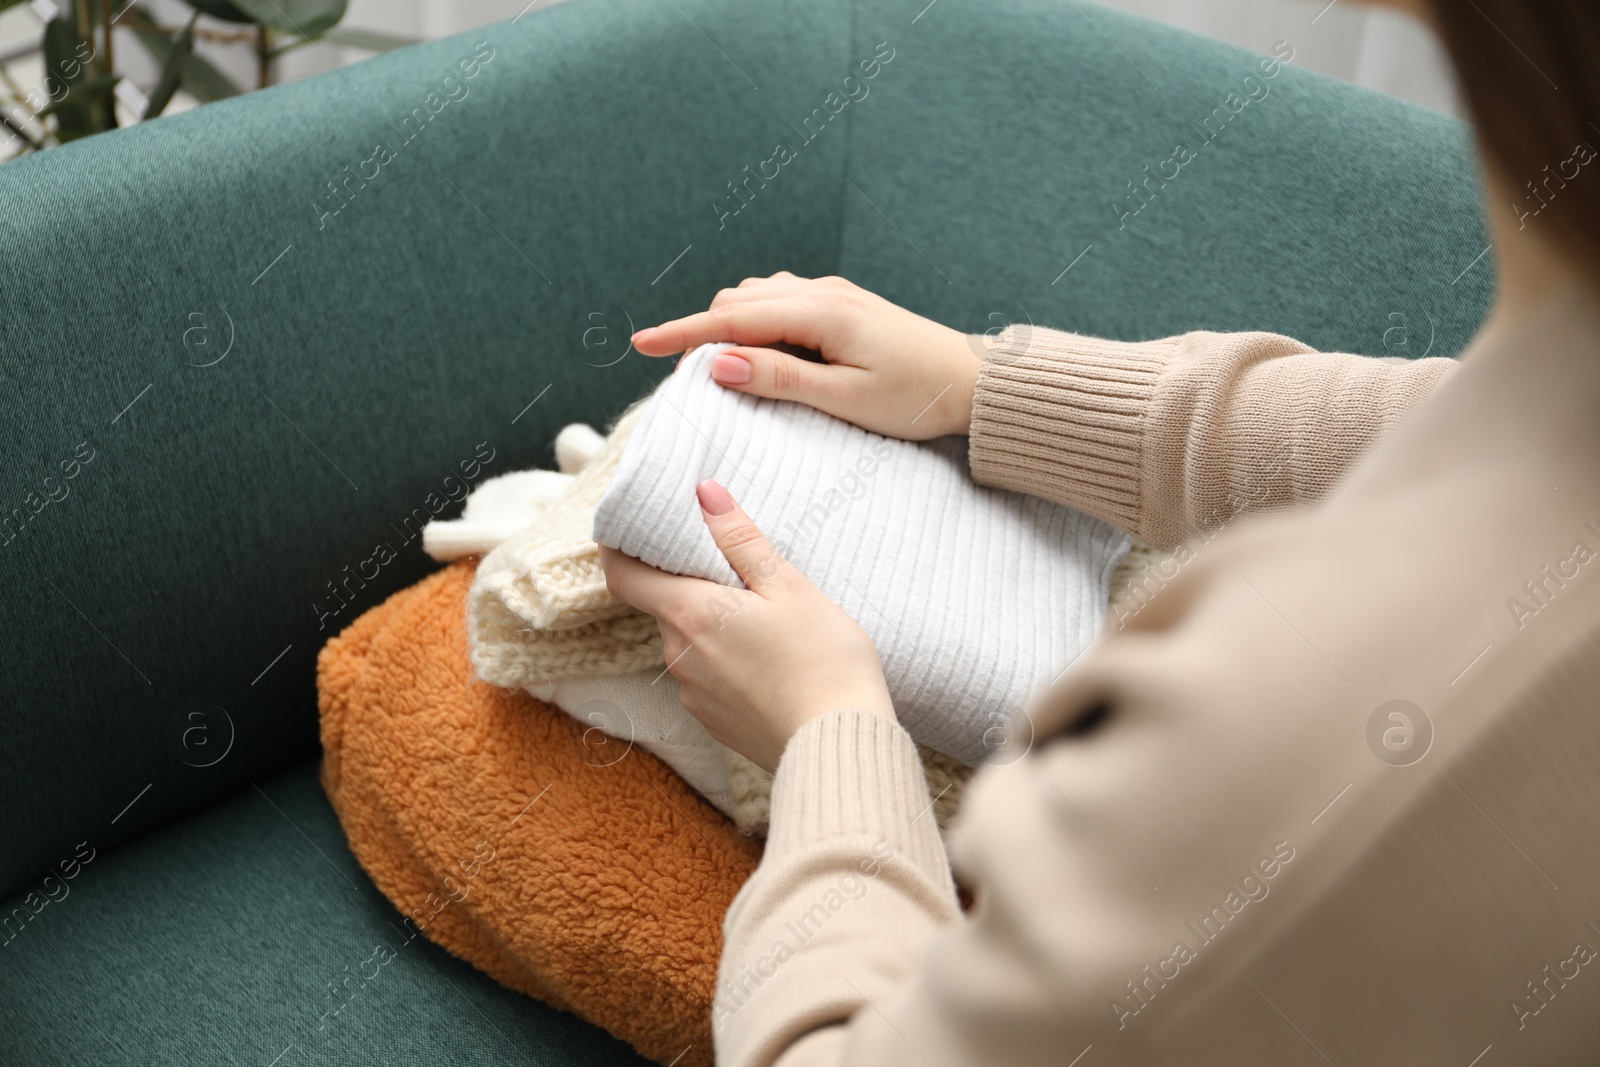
(1223, 848)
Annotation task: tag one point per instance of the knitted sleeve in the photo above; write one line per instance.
(1171, 438)
(854, 884)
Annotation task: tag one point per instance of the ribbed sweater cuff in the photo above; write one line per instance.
(1063, 416)
(852, 772)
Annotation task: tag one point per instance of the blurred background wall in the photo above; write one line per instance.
(1375, 47)
(1372, 47)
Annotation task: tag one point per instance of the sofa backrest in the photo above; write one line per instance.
(249, 349)
(1089, 170)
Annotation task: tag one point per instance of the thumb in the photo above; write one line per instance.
(745, 547)
(780, 376)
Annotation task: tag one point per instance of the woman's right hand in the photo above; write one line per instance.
(887, 370)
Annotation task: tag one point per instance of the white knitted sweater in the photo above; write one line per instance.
(975, 597)
(539, 598)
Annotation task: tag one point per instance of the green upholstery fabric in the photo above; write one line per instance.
(368, 363)
(996, 143)
(163, 616)
(234, 937)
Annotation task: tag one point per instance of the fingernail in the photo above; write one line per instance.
(646, 332)
(730, 370)
(713, 498)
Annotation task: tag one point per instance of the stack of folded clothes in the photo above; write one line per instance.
(586, 856)
(975, 597)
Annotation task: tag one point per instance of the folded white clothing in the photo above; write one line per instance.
(975, 597)
(544, 586)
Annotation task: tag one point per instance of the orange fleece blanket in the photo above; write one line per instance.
(556, 860)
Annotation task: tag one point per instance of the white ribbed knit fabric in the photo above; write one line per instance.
(975, 597)
(544, 585)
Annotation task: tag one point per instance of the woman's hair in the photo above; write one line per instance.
(1530, 72)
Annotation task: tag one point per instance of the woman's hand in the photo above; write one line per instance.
(887, 370)
(752, 664)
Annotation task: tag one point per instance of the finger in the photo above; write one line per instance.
(781, 376)
(745, 547)
(640, 585)
(794, 319)
(780, 276)
(760, 289)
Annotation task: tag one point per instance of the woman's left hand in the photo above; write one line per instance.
(754, 664)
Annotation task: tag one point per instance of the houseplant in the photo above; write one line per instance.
(79, 93)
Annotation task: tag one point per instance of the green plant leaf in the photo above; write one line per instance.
(304, 18)
(10, 3)
(94, 87)
(202, 80)
(65, 75)
(172, 70)
(17, 129)
(219, 9)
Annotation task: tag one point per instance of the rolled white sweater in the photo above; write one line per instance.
(538, 603)
(975, 597)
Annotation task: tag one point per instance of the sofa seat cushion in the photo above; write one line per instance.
(247, 934)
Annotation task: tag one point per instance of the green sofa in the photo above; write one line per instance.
(250, 348)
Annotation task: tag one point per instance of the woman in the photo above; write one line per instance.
(1328, 796)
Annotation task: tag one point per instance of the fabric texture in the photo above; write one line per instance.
(505, 831)
(410, 303)
(1174, 437)
(540, 613)
(505, 505)
(1323, 796)
(642, 708)
(982, 596)
(250, 933)
(229, 408)
(539, 598)
(226, 485)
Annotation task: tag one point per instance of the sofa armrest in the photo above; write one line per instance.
(252, 347)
